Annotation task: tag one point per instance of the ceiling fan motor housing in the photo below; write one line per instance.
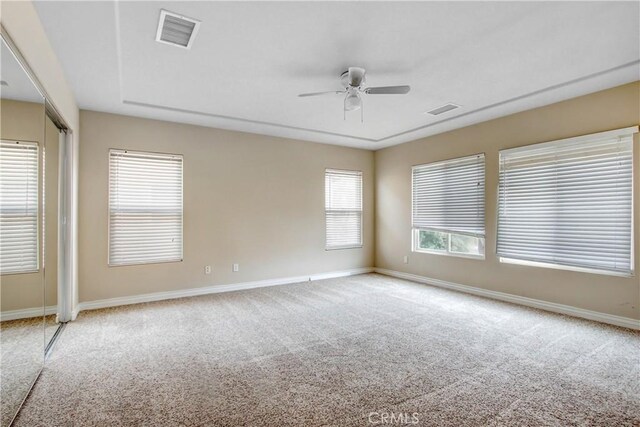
(353, 77)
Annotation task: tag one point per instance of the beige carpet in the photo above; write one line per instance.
(337, 352)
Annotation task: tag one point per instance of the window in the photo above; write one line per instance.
(18, 207)
(343, 209)
(448, 243)
(568, 203)
(448, 207)
(145, 207)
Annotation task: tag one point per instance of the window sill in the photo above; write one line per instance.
(451, 254)
(145, 263)
(337, 248)
(13, 273)
(564, 267)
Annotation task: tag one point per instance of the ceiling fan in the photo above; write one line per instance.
(353, 81)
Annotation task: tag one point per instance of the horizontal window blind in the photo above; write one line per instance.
(448, 196)
(568, 202)
(343, 208)
(18, 207)
(145, 207)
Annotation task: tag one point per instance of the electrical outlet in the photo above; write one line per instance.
(236, 267)
(207, 269)
(406, 259)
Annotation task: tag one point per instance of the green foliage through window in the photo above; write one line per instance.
(439, 241)
(433, 240)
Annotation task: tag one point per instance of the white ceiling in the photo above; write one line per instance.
(251, 59)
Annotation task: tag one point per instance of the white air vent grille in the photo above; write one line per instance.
(176, 30)
(443, 109)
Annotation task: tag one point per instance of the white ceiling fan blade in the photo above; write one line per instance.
(388, 90)
(331, 92)
(356, 76)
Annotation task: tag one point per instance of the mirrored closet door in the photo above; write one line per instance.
(29, 225)
(52, 195)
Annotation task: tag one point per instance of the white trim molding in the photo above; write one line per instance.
(611, 319)
(214, 289)
(27, 313)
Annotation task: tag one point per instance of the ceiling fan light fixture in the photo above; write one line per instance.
(352, 101)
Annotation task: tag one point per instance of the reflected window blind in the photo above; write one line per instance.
(145, 207)
(569, 202)
(18, 207)
(448, 196)
(343, 208)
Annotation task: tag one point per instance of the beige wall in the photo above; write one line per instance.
(601, 111)
(26, 121)
(248, 199)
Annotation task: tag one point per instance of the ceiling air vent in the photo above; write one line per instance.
(443, 109)
(176, 30)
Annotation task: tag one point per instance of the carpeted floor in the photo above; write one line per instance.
(344, 352)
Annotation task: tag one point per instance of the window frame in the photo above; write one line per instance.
(109, 262)
(361, 211)
(416, 230)
(633, 130)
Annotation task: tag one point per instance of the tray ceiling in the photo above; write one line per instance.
(249, 61)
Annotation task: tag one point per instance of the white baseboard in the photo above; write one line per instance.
(159, 296)
(27, 313)
(611, 319)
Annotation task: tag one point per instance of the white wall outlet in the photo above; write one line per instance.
(236, 267)
(406, 259)
(207, 269)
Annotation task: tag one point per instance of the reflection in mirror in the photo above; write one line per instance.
(22, 342)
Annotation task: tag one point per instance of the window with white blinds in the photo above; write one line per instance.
(18, 207)
(343, 209)
(448, 206)
(569, 203)
(145, 207)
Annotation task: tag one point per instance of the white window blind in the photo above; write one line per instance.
(18, 207)
(343, 208)
(448, 196)
(569, 202)
(145, 207)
